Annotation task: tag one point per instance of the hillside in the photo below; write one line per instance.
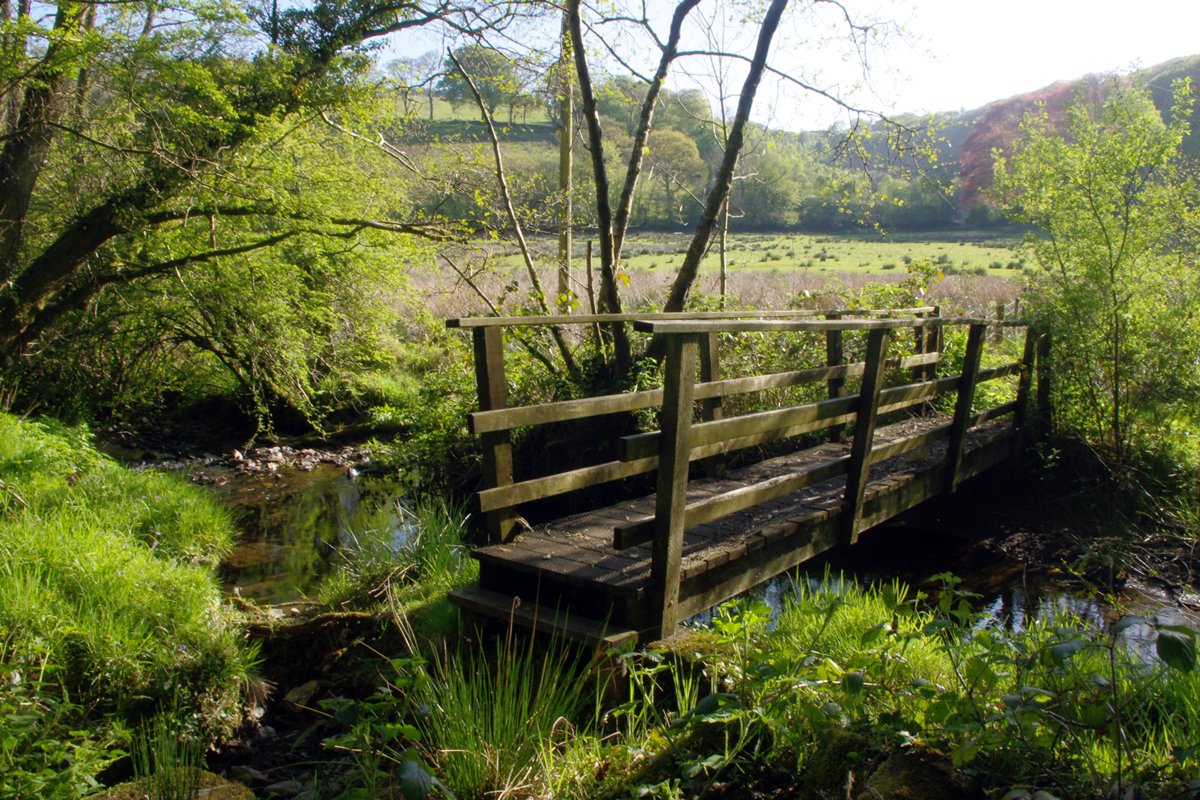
(806, 181)
(996, 124)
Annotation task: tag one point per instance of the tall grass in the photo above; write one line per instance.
(494, 716)
(416, 552)
(106, 572)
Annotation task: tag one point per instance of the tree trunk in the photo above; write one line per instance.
(566, 135)
(641, 135)
(24, 154)
(610, 299)
(720, 191)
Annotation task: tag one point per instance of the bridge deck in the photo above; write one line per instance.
(571, 565)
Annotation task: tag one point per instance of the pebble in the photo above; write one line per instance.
(243, 773)
(284, 789)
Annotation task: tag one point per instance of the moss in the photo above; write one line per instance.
(919, 772)
(837, 761)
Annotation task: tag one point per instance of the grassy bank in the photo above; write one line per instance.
(109, 610)
(843, 691)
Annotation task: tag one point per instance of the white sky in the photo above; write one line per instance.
(976, 52)
(946, 55)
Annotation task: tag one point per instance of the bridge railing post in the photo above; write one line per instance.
(933, 343)
(962, 408)
(711, 407)
(1044, 410)
(1024, 385)
(834, 357)
(492, 387)
(864, 432)
(674, 454)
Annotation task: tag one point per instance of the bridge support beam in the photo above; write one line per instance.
(670, 502)
(864, 432)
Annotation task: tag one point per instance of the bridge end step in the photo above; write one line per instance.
(542, 619)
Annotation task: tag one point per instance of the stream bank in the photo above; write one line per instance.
(1021, 547)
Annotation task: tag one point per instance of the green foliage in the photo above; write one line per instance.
(493, 73)
(106, 575)
(421, 553)
(486, 720)
(165, 763)
(1116, 220)
(43, 754)
(284, 328)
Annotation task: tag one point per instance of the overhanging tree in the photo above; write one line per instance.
(110, 115)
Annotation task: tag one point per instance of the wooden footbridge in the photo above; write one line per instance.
(884, 420)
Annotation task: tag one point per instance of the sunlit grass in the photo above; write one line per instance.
(107, 572)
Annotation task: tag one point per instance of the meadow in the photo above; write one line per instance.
(765, 271)
(854, 255)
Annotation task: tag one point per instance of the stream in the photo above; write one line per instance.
(299, 522)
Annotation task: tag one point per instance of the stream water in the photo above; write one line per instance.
(297, 525)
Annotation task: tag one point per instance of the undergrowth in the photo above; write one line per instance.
(801, 701)
(109, 609)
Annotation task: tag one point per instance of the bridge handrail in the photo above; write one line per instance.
(589, 319)
(678, 327)
(495, 420)
(679, 437)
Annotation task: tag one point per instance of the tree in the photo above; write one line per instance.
(494, 74)
(1117, 237)
(675, 161)
(113, 114)
(416, 74)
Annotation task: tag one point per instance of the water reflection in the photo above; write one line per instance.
(298, 526)
(1008, 595)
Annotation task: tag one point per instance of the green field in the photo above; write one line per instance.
(792, 253)
(833, 254)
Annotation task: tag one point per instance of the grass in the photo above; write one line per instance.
(430, 558)
(494, 717)
(753, 283)
(873, 255)
(836, 679)
(106, 583)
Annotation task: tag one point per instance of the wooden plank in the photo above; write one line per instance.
(768, 325)
(801, 543)
(492, 388)
(722, 505)
(911, 493)
(563, 482)
(481, 422)
(992, 413)
(671, 495)
(514, 609)
(864, 433)
(962, 408)
(640, 445)
(908, 444)
(588, 319)
(748, 430)
(1002, 371)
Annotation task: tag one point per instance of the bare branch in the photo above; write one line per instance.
(501, 178)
